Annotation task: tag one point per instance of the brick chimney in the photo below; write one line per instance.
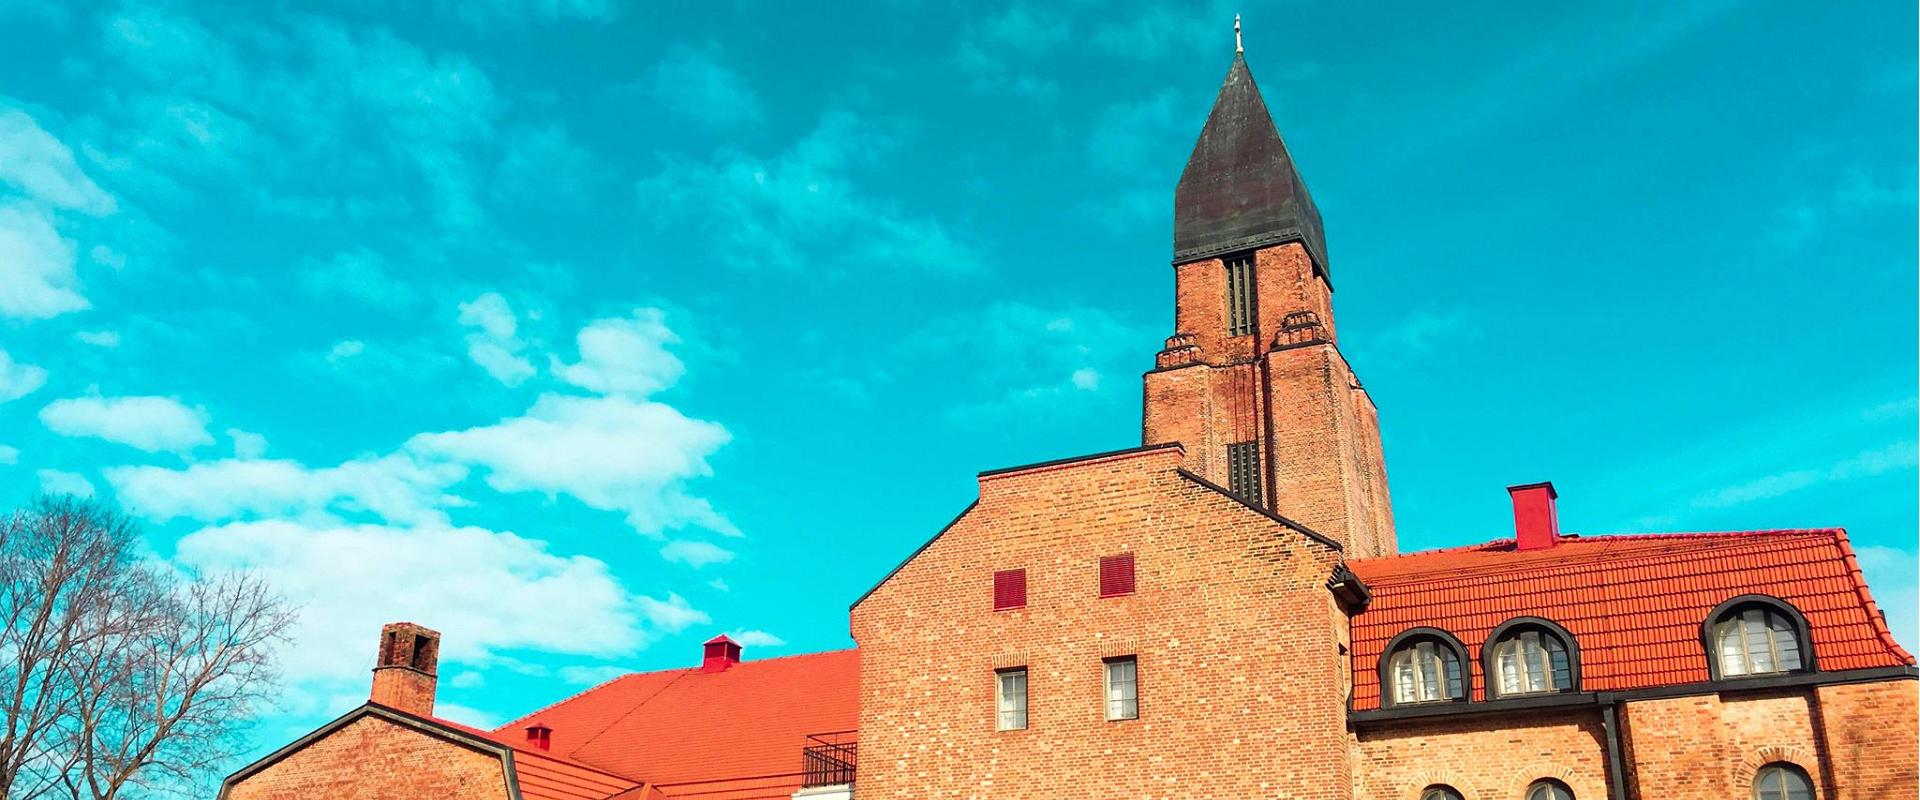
(721, 653)
(408, 668)
(1536, 523)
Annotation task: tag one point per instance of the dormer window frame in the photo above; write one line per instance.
(1771, 605)
(1412, 637)
(1489, 654)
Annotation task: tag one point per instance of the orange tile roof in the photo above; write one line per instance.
(547, 776)
(1633, 603)
(727, 734)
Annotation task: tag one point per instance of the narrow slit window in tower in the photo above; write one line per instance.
(1240, 311)
(1243, 471)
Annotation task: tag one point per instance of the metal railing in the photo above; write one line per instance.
(830, 758)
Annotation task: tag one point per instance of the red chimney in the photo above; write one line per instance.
(539, 735)
(1536, 524)
(722, 652)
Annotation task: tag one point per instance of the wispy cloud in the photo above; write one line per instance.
(150, 423)
(803, 205)
(1024, 357)
(360, 275)
(695, 554)
(695, 84)
(18, 380)
(37, 278)
(53, 481)
(495, 342)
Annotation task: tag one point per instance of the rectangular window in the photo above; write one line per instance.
(1010, 698)
(1123, 688)
(1243, 471)
(1009, 589)
(1240, 310)
(1116, 575)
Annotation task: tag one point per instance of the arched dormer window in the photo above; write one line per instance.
(1531, 655)
(1782, 781)
(1756, 635)
(1423, 665)
(1440, 791)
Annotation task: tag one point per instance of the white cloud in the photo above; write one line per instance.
(393, 488)
(673, 613)
(247, 444)
(803, 203)
(108, 339)
(591, 675)
(467, 679)
(757, 638)
(624, 356)
(18, 380)
(345, 349)
(1903, 455)
(152, 424)
(694, 553)
(495, 344)
(37, 280)
(485, 591)
(9, 455)
(693, 83)
(53, 481)
(40, 166)
(612, 453)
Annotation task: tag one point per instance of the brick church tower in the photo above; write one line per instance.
(1252, 382)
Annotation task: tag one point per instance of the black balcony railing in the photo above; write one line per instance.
(830, 758)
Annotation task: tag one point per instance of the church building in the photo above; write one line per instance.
(1223, 612)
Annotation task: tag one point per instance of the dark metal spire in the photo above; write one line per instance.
(1240, 190)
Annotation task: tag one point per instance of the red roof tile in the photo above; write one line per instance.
(546, 776)
(743, 727)
(1634, 604)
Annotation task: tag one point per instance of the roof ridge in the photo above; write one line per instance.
(1445, 574)
(522, 747)
(1592, 538)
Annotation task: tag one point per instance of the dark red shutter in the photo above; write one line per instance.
(1116, 575)
(1009, 589)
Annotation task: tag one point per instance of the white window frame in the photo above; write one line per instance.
(1010, 711)
(1122, 697)
(1530, 661)
(1757, 640)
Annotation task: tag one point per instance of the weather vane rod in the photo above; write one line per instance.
(1237, 47)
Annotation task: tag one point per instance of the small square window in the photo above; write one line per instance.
(1123, 688)
(1010, 699)
(1009, 589)
(1116, 575)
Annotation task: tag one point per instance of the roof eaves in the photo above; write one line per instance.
(1874, 615)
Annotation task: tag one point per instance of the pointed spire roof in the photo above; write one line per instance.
(1240, 190)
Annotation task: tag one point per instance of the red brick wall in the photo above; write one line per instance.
(1871, 730)
(1853, 740)
(1242, 691)
(1486, 757)
(375, 759)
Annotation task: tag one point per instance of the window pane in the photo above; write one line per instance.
(1508, 665)
(1013, 699)
(1123, 689)
(1733, 659)
(1454, 690)
(1562, 669)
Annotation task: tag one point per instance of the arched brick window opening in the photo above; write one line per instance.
(1440, 792)
(1549, 790)
(1756, 635)
(1530, 655)
(1782, 781)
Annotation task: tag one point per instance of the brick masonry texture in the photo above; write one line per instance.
(374, 759)
(1242, 693)
(1285, 386)
(1482, 758)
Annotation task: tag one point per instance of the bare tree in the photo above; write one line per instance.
(120, 674)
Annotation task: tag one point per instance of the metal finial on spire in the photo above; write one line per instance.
(1237, 47)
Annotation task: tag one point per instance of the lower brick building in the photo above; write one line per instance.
(1223, 612)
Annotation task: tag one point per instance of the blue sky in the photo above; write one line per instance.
(582, 330)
